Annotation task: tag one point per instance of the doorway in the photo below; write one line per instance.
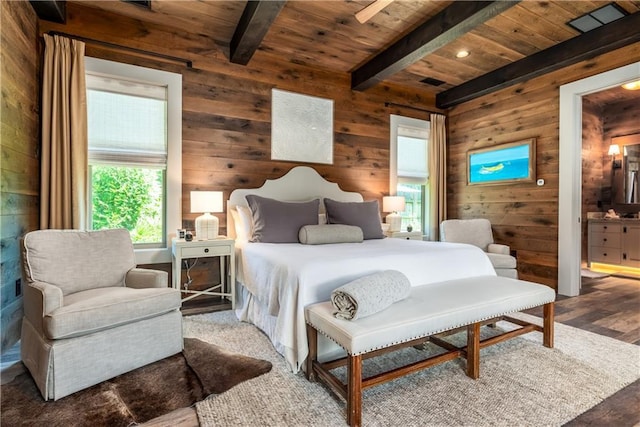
(570, 185)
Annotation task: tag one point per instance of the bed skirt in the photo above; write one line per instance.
(249, 309)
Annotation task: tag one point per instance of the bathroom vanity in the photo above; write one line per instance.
(614, 241)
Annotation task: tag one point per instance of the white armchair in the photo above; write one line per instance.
(478, 232)
(89, 314)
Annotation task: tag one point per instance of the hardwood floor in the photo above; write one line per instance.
(608, 306)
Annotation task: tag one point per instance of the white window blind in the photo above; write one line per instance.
(412, 154)
(127, 121)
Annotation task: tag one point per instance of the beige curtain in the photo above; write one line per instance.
(437, 175)
(63, 189)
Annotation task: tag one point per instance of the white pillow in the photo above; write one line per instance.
(242, 221)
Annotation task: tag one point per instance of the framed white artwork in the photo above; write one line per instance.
(301, 127)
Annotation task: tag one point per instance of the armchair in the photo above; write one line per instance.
(478, 232)
(89, 313)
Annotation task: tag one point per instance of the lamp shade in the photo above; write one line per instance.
(206, 201)
(614, 149)
(393, 204)
(207, 225)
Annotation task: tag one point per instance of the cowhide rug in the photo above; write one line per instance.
(137, 396)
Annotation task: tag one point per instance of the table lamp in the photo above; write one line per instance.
(393, 204)
(207, 225)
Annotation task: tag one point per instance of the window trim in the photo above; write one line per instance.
(395, 122)
(173, 190)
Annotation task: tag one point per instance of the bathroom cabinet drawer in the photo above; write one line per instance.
(605, 228)
(607, 240)
(605, 255)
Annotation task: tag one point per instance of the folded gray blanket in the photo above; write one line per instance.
(370, 294)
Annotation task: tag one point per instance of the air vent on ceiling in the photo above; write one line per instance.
(431, 81)
(597, 18)
(141, 3)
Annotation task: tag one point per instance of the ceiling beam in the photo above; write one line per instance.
(601, 40)
(254, 23)
(50, 10)
(453, 22)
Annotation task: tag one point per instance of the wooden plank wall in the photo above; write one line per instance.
(524, 216)
(19, 147)
(227, 108)
(594, 156)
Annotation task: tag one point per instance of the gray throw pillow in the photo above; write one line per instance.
(330, 233)
(365, 215)
(279, 222)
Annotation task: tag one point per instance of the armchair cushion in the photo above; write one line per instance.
(476, 232)
(92, 259)
(145, 278)
(89, 311)
(502, 261)
(496, 248)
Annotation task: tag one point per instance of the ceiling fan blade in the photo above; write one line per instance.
(368, 12)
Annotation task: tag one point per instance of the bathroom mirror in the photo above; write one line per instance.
(626, 178)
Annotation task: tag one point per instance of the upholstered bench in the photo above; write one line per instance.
(429, 310)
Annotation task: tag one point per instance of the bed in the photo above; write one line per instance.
(276, 281)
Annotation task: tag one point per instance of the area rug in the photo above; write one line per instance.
(176, 382)
(521, 383)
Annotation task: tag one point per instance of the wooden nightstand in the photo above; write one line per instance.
(407, 235)
(222, 247)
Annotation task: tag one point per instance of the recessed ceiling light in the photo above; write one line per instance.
(632, 85)
(462, 54)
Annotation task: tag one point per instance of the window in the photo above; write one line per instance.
(134, 126)
(409, 169)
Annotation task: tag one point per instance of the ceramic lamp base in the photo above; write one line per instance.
(395, 221)
(207, 226)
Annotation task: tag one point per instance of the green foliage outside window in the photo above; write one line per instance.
(412, 215)
(128, 197)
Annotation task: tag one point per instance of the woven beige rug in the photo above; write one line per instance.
(521, 383)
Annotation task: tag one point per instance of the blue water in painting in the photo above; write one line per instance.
(500, 165)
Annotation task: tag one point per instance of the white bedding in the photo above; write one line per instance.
(284, 278)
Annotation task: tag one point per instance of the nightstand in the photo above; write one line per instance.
(222, 247)
(407, 235)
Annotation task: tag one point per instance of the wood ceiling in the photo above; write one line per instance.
(326, 35)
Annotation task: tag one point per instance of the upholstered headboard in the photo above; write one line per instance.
(301, 183)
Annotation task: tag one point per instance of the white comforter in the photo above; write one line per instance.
(284, 278)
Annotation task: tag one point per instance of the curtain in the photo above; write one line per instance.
(63, 192)
(437, 175)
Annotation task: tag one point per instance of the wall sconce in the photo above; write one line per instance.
(207, 225)
(614, 149)
(393, 204)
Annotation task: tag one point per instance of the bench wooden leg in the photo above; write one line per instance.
(473, 350)
(354, 390)
(547, 331)
(312, 338)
